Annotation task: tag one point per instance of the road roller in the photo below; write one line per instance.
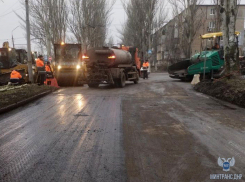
(68, 68)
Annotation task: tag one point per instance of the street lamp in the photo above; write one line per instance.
(13, 35)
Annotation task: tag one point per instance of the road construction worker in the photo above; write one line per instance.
(216, 46)
(15, 77)
(145, 68)
(48, 68)
(41, 70)
(49, 73)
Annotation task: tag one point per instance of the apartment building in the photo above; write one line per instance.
(166, 39)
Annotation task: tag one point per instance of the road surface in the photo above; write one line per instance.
(157, 130)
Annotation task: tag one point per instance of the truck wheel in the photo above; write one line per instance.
(116, 83)
(122, 80)
(93, 85)
(136, 81)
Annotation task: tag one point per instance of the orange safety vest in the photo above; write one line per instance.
(39, 63)
(15, 75)
(47, 68)
(146, 64)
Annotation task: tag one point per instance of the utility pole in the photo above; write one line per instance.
(13, 40)
(28, 43)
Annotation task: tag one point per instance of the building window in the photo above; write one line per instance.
(211, 24)
(212, 12)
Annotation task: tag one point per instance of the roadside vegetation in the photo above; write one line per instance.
(13, 94)
(231, 90)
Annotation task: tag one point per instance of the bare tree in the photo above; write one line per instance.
(89, 21)
(48, 21)
(217, 16)
(228, 12)
(111, 41)
(144, 17)
(188, 19)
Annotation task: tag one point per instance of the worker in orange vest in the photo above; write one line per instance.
(50, 76)
(145, 68)
(41, 70)
(48, 68)
(49, 73)
(15, 77)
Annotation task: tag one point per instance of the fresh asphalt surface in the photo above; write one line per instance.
(157, 130)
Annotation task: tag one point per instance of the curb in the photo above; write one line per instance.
(23, 102)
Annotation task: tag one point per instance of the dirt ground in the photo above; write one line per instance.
(9, 97)
(232, 90)
(160, 130)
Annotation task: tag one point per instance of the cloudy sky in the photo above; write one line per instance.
(9, 22)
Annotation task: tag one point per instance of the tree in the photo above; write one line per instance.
(228, 10)
(48, 22)
(89, 21)
(188, 20)
(143, 18)
(217, 16)
(111, 41)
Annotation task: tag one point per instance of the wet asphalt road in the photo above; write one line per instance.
(158, 130)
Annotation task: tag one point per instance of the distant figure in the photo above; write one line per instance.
(15, 77)
(41, 70)
(50, 79)
(216, 46)
(49, 73)
(145, 68)
(48, 69)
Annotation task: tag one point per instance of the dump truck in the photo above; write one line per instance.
(69, 70)
(112, 66)
(13, 59)
(209, 62)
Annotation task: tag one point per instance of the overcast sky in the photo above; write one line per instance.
(9, 21)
